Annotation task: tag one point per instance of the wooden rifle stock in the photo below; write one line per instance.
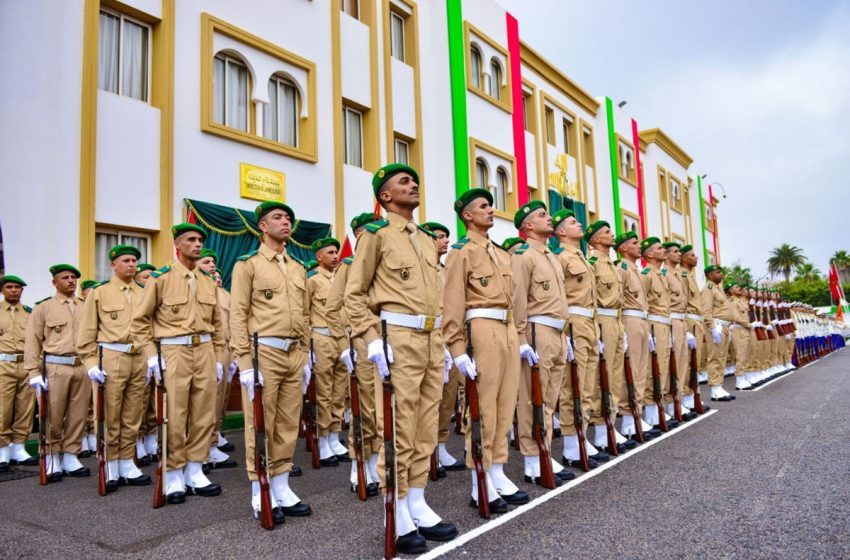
(43, 434)
(538, 422)
(760, 334)
(694, 380)
(312, 434)
(674, 386)
(458, 415)
(357, 426)
(101, 446)
(261, 452)
(578, 420)
(161, 433)
(656, 386)
(632, 397)
(475, 433)
(606, 403)
(389, 457)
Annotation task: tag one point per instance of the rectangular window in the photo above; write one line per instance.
(353, 131)
(550, 125)
(350, 7)
(675, 195)
(568, 137)
(500, 190)
(397, 36)
(528, 111)
(230, 92)
(107, 239)
(662, 185)
(587, 147)
(123, 55)
(280, 117)
(402, 152)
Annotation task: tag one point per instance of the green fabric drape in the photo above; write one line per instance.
(558, 202)
(232, 232)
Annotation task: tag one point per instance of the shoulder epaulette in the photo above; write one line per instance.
(27, 308)
(206, 273)
(623, 265)
(709, 285)
(460, 242)
(348, 260)
(247, 256)
(430, 233)
(42, 300)
(522, 249)
(496, 245)
(99, 284)
(592, 260)
(311, 273)
(299, 261)
(664, 272)
(684, 274)
(645, 270)
(159, 272)
(373, 227)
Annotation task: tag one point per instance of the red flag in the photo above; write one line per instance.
(837, 291)
(346, 250)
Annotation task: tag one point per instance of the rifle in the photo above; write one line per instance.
(475, 433)
(694, 381)
(43, 414)
(389, 456)
(760, 334)
(632, 397)
(458, 414)
(606, 403)
(674, 386)
(538, 423)
(357, 426)
(656, 386)
(261, 450)
(516, 431)
(765, 319)
(578, 420)
(312, 434)
(101, 447)
(161, 433)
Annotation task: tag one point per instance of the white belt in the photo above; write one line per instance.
(694, 317)
(677, 316)
(635, 313)
(557, 324)
(285, 344)
(418, 322)
(187, 340)
(63, 360)
(503, 315)
(11, 357)
(722, 322)
(322, 330)
(607, 312)
(580, 311)
(117, 347)
(659, 319)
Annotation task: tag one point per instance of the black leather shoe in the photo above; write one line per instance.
(55, 477)
(143, 461)
(456, 466)
(331, 461)
(441, 471)
(343, 458)
(206, 468)
(79, 473)
(705, 408)
(654, 432)
(646, 437)
(496, 506)
(176, 498)
(4, 467)
(226, 464)
(565, 475)
(205, 491)
(576, 463)
(558, 480)
(411, 543)
(295, 471)
(111, 486)
(601, 457)
(372, 489)
(227, 447)
(516, 499)
(84, 454)
(278, 516)
(727, 398)
(689, 416)
(297, 510)
(556, 433)
(32, 461)
(141, 480)
(672, 424)
(442, 531)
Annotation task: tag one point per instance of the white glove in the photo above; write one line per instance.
(716, 335)
(219, 372)
(625, 342)
(571, 355)
(447, 365)
(97, 374)
(345, 358)
(788, 337)
(246, 378)
(651, 341)
(526, 352)
(375, 353)
(154, 369)
(466, 366)
(692, 341)
(232, 368)
(39, 384)
(769, 327)
(600, 346)
(308, 373)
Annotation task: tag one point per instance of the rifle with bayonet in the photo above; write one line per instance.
(312, 433)
(357, 426)
(389, 456)
(578, 416)
(261, 450)
(674, 385)
(694, 379)
(161, 433)
(43, 432)
(656, 386)
(607, 413)
(538, 423)
(475, 433)
(101, 445)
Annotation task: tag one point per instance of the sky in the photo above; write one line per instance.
(757, 92)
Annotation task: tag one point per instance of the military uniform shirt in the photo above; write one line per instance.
(657, 291)
(538, 286)
(579, 278)
(106, 317)
(678, 295)
(336, 315)
(12, 327)
(52, 328)
(634, 293)
(609, 291)
(715, 305)
(692, 290)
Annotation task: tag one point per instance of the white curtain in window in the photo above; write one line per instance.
(107, 63)
(495, 80)
(397, 32)
(236, 97)
(501, 189)
(140, 243)
(134, 61)
(353, 138)
(475, 70)
(102, 244)
(288, 114)
(402, 152)
(481, 173)
(270, 112)
(218, 90)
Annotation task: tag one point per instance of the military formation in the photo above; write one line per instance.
(515, 344)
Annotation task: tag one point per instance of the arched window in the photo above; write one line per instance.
(280, 118)
(495, 79)
(230, 92)
(481, 174)
(500, 189)
(475, 66)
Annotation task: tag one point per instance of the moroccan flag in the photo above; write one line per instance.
(836, 291)
(346, 250)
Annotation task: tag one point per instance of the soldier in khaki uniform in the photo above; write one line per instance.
(693, 317)
(394, 280)
(580, 291)
(105, 327)
(511, 244)
(540, 315)
(180, 314)
(478, 300)
(329, 367)
(741, 333)
(269, 298)
(146, 442)
(52, 332)
(16, 400)
(366, 374)
(717, 315)
(682, 338)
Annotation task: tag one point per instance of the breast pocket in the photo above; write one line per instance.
(112, 312)
(206, 302)
(175, 306)
(56, 323)
(542, 284)
(399, 267)
(267, 288)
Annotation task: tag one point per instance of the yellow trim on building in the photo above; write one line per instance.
(162, 97)
(626, 214)
(663, 141)
(511, 197)
(546, 99)
(505, 101)
(536, 62)
(88, 138)
(535, 191)
(338, 140)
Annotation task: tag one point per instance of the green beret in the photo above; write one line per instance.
(11, 279)
(686, 248)
(265, 207)
(205, 252)
(141, 267)
(383, 174)
(320, 244)
(120, 250)
(436, 226)
(510, 242)
(86, 284)
(647, 243)
(728, 286)
(311, 264)
(593, 228)
(463, 200)
(57, 268)
(668, 244)
(712, 268)
(362, 219)
(623, 237)
(525, 210)
(561, 215)
(186, 227)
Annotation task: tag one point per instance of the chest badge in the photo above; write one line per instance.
(580, 278)
(268, 294)
(57, 329)
(405, 274)
(113, 315)
(546, 285)
(485, 281)
(1, 332)
(175, 308)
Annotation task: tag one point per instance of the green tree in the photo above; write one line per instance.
(738, 273)
(814, 292)
(807, 272)
(842, 263)
(784, 259)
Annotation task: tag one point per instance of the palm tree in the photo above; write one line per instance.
(739, 273)
(784, 259)
(842, 263)
(807, 272)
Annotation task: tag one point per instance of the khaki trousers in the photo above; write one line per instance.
(788, 351)
(417, 380)
(496, 349)
(775, 349)
(752, 350)
(717, 357)
(17, 403)
(447, 404)
(366, 376)
(637, 332)
(741, 340)
(331, 383)
(697, 329)
(148, 425)
(190, 386)
(661, 332)
(585, 339)
(612, 338)
(222, 390)
(69, 398)
(123, 405)
(552, 349)
(680, 348)
(282, 401)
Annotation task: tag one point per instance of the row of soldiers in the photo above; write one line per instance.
(395, 314)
